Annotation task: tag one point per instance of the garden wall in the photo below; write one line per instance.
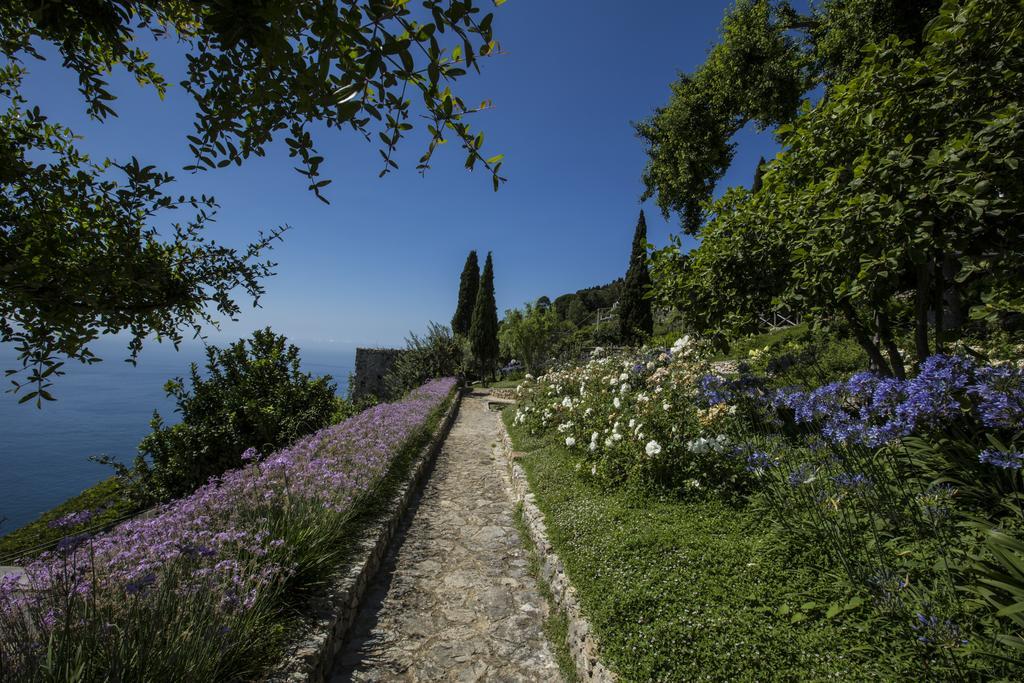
(331, 614)
(580, 639)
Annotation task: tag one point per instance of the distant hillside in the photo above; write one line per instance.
(580, 306)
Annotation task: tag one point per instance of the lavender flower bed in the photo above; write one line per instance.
(194, 591)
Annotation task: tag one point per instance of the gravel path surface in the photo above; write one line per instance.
(454, 600)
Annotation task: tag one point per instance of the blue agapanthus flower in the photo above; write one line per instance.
(1001, 459)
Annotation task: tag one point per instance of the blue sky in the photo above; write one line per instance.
(385, 256)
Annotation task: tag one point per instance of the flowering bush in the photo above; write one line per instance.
(874, 476)
(949, 393)
(192, 593)
(636, 418)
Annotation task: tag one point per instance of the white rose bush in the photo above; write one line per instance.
(638, 419)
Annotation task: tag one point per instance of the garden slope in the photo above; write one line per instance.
(690, 591)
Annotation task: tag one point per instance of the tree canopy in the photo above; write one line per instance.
(636, 320)
(80, 253)
(469, 282)
(770, 58)
(895, 205)
(532, 335)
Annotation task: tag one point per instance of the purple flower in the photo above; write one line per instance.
(221, 542)
(803, 474)
(847, 480)
(935, 631)
(873, 411)
(73, 519)
(759, 461)
(1001, 459)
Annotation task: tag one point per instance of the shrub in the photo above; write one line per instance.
(891, 483)
(631, 419)
(533, 335)
(436, 354)
(252, 395)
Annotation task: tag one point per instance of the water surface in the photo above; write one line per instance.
(100, 409)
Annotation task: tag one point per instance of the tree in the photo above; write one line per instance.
(758, 177)
(253, 394)
(78, 254)
(469, 283)
(436, 354)
(483, 333)
(532, 335)
(769, 59)
(895, 199)
(635, 318)
(577, 312)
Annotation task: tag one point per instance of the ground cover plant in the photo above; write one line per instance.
(202, 590)
(905, 491)
(684, 590)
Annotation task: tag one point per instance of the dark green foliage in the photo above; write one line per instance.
(483, 333)
(469, 283)
(344, 408)
(769, 59)
(436, 354)
(580, 306)
(251, 395)
(893, 209)
(79, 251)
(534, 336)
(758, 177)
(636, 321)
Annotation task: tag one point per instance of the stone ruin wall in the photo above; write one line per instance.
(371, 367)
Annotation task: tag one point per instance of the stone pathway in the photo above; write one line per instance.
(454, 600)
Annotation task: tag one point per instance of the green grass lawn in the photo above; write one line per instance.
(683, 591)
(502, 384)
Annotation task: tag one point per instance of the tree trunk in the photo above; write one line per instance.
(922, 304)
(938, 304)
(895, 357)
(860, 333)
(953, 299)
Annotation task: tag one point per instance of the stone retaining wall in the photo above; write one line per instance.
(583, 645)
(331, 613)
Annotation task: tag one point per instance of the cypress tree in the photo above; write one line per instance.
(635, 317)
(468, 285)
(483, 332)
(758, 177)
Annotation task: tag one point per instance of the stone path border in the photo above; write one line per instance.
(331, 613)
(455, 599)
(583, 646)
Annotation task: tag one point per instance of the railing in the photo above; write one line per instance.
(777, 320)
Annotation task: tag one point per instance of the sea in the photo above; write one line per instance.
(101, 409)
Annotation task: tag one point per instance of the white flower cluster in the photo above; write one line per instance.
(703, 444)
